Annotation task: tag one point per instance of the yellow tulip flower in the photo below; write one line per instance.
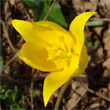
(51, 48)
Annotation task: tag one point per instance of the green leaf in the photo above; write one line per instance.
(3, 86)
(90, 45)
(2, 90)
(10, 94)
(8, 101)
(36, 6)
(15, 106)
(34, 93)
(20, 101)
(2, 96)
(40, 9)
(86, 40)
(25, 97)
(95, 23)
(96, 44)
(49, 2)
(16, 89)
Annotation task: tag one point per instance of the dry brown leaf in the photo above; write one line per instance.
(107, 3)
(106, 41)
(94, 105)
(12, 2)
(98, 30)
(78, 92)
(107, 63)
(83, 6)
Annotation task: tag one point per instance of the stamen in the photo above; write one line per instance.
(64, 61)
(61, 39)
(71, 47)
(51, 57)
(52, 53)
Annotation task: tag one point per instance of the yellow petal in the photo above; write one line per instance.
(82, 63)
(52, 82)
(50, 34)
(25, 29)
(51, 25)
(77, 29)
(35, 55)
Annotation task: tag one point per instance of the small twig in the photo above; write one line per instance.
(11, 79)
(39, 77)
(61, 93)
(92, 91)
(1, 71)
(104, 19)
(7, 36)
(50, 9)
(29, 19)
(28, 102)
(8, 62)
(31, 90)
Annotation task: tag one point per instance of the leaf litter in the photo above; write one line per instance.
(96, 76)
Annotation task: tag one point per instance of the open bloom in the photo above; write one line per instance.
(51, 48)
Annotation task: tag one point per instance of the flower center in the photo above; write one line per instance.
(64, 53)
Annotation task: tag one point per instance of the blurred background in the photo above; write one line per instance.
(16, 76)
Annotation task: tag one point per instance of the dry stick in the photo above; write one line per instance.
(6, 74)
(7, 36)
(7, 14)
(61, 93)
(104, 19)
(8, 63)
(28, 102)
(50, 9)
(92, 91)
(11, 45)
(31, 90)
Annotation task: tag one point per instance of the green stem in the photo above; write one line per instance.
(61, 93)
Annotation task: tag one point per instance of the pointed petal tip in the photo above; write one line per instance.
(92, 13)
(15, 23)
(12, 22)
(45, 98)
(45, 101)
(45, 104)
(77, 29)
